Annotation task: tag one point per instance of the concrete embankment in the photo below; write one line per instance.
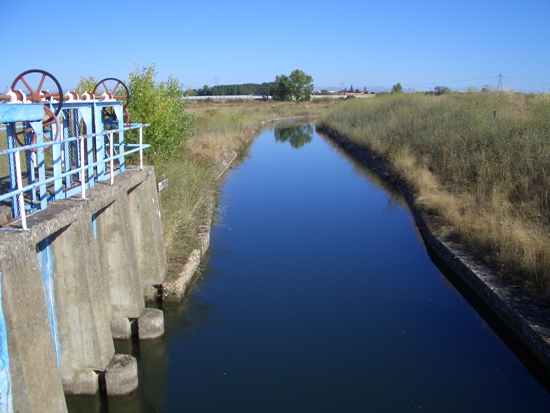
(75, 281)
(528, 321)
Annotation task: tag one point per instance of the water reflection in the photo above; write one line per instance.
(188, 316)
(193, 313)
(296, 135)
(395, 199)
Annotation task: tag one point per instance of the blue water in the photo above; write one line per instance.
(319, 296)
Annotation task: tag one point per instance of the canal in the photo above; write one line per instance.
(320, 296)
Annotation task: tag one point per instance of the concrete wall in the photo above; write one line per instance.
(36, 384)
(118, 258)
(101, 254)
(144, 206)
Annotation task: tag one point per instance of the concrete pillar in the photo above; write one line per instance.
(121, 328)
(146, 224)
(118, 261)
(35, 386)
(82, 306)
(121, 375)
(151, 324)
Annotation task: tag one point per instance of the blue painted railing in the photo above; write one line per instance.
(69, 165)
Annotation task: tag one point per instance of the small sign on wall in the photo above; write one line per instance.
(162, 184)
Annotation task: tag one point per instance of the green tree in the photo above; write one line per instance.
(85, 84)
(441, 90)
(302, 85)
(397, 88)
(298, 86)
(162, 106)
(282, 90)
(204, 91)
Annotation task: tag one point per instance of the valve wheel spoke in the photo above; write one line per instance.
(28, 78)
(115, 88)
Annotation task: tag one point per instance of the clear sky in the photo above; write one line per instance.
(364, 43)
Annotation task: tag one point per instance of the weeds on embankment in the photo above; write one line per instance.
(225, 125)
(220, 127)
(479, 161)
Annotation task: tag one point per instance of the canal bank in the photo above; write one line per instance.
(526, 319)
(529, 321)
(331, 327)
(321, 290)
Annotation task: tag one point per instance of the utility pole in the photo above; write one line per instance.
(499, 86)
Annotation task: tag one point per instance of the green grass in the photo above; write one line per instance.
(4, 169)
(185, 204)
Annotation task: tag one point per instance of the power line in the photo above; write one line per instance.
(525, 80)
(499, 84)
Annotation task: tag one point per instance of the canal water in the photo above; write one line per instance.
(320, 296)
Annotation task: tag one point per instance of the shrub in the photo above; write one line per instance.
(162, 106)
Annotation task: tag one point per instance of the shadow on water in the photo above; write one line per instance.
(360, 169)
(192, 312)
(504, 333)
(152, 355)
(152, 373)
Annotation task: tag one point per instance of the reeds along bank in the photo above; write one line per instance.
(479, 160)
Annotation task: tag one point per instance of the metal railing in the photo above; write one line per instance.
(65, 168)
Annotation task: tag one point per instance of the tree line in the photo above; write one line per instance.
(265, 88)
(297, 86)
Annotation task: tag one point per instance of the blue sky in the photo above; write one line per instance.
(419, 43)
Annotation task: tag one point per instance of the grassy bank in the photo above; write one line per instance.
(221, 127)
(225, 125)
(480, 162)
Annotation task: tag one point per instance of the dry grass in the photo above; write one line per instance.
(229, 125)
(480, 161)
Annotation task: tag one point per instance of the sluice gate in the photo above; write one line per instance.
(81, 244)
